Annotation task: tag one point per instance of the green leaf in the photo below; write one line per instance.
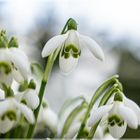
(68, 103)
(71, 117)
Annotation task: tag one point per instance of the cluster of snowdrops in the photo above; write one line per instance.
(24, 110)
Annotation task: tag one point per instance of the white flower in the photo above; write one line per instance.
(9, 111)
(118, 116)
(29, 97)
(49, 118)
(14, 64)
(71, 44)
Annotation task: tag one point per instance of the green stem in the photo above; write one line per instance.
(104, 100)
(96, 95)
(47, 72)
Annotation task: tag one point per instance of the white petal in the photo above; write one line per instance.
(20, 61)
(133, 106)
(27, 112)
(92, 46)
(98, 114)
(67, 65)
(6, 105)
(53, 43)
(50, 119)
(3, 53)
(117, 131)
(99, 133)
(17, 76)
(2, 95)
(7, 79)
(6, 125)
(73, 38)
(4, 78)
(32, 99)
(129, 116)
(73, 130)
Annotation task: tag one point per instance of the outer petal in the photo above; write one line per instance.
(128, 115)
(133, 106)
(99, 133)
(2, 95)
(32, 99)
(20, 61)
(53, 43)
(7, 79)
(17, 76)
(6, 105)
(73, 130)
(4, 78)
(3, 54)
(67, 65)
(86, 41)
(6, 125)
(98, 114)
(50, 119)
(117, 131)
(27, 112)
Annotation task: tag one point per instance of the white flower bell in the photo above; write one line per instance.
(48, 118)
(29, 97)
(121, 113)
(14, 63)
(70, 44)
(9, 111)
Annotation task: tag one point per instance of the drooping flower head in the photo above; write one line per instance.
(14, 63)
(119, 114)
(70, 44)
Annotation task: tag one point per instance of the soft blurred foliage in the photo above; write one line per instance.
(34, 22)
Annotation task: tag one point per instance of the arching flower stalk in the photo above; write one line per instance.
(70, 45)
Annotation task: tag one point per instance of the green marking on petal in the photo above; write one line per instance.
(120, 123)
(72, 50)
(6, 67)
(66, 55)
(10, 114)
(24, 102)
(114, 119)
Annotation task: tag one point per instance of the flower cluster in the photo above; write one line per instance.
(22, 102)
(15, 106)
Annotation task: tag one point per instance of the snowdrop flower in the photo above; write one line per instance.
(70, 45)
(14, 63)
(119, 114)
(29, 97)
(9, 111)
(48, 118)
